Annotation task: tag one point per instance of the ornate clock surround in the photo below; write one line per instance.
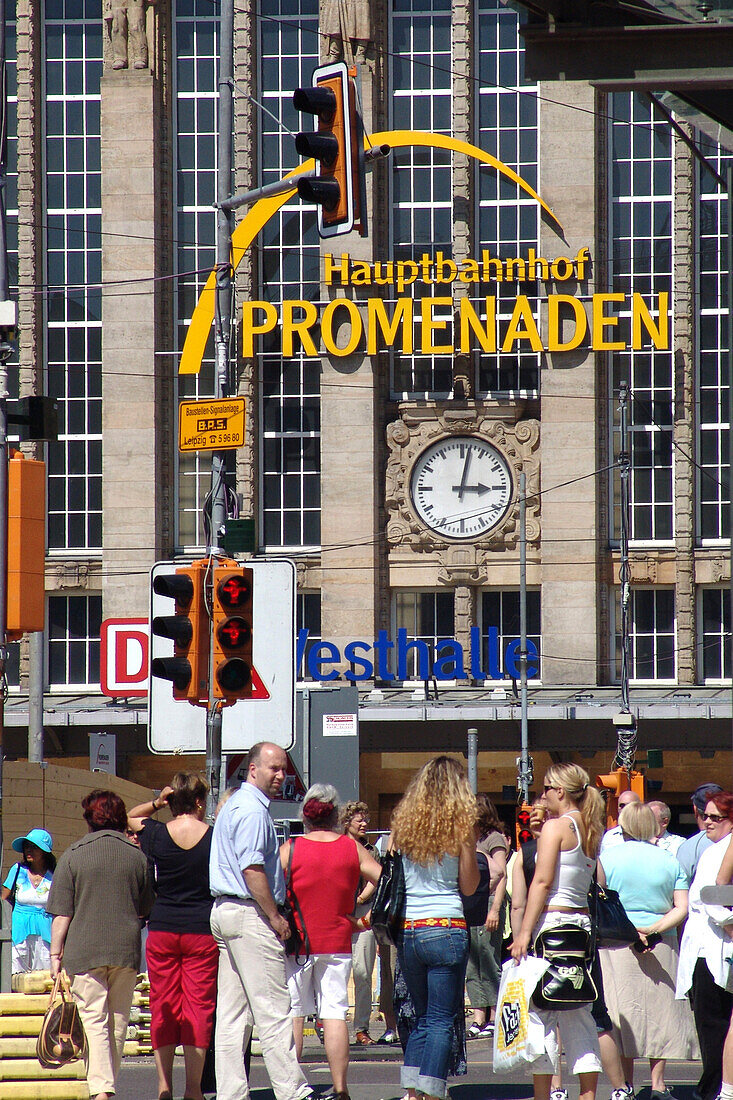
(421, 425)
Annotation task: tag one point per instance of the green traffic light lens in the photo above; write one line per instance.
(234, 675)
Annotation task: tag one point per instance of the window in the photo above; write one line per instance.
(652, 648)
(715, 635)
(500, 628)
(425, 617)
(641, 262)
(508, 220)
(12, 666)
(73, 67)
(289, 270)
(73, 641)
(196, 31)
(712, 341)
(308, 617)
(422, 179)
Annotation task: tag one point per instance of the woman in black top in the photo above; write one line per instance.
(181, 952)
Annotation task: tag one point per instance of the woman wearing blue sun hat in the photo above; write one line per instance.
(26, 888)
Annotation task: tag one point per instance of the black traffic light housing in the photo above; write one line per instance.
(337, 145)
(188, 628)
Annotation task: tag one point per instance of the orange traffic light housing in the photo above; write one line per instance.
(615, 783)
(337, 145)
(188, 627)
(232, 623)
(26, 601)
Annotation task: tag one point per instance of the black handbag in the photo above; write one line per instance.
(297, 943)
(567, 983)
(476, 905)
(611, 924)
(389, 901)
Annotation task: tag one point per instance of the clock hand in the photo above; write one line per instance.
(479, 489)
(460, 489)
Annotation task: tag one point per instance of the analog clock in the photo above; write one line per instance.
(461, 487)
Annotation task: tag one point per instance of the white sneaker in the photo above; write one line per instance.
(626, 1093)
(559, 1094)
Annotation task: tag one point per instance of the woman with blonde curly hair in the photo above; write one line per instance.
(434, 829)
(558, 895)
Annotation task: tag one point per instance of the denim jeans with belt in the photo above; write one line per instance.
(433, 961)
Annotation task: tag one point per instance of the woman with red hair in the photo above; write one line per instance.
(323, 880)
(100, 891)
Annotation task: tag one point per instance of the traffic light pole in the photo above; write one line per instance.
(223, 329)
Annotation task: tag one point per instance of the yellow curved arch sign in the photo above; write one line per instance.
(259, 214)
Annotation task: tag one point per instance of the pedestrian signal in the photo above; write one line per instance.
(524, 833)
(233, 589)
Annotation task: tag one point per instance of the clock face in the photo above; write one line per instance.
(461, 487)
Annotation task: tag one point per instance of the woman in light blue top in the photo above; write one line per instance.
(640, 988)
(434, 829)
(27, 886)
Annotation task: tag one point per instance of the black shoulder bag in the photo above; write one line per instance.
(611, 924)
(389, 901)
(476, 905)
(14, 887)
(297, 943)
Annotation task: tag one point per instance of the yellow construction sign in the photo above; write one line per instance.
(211, 425)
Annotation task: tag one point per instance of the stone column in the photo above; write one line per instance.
(132, 477)
(684, 404)
(351, 433)
(569, 435)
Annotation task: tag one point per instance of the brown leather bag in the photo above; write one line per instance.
(62, 1037)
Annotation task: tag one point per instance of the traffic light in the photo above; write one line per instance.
(615, 783)
(26, 545)
(188, 627)
(232, 631)
(337, 145)
(524, 833)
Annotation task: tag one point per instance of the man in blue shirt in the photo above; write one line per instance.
(689, 852)
(247, 884)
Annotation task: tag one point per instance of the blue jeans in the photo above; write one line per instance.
(433, 961)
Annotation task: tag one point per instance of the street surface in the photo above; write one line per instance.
(374, 1074)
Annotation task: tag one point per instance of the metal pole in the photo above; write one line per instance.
(473, 759)
(5, 352)
(624, 462)
(222, 341)
(729, 267)
(524, 770)
(35, 698)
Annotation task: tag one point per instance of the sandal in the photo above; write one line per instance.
(363, 1038)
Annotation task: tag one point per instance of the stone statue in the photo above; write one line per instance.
(125, 20)
(347, 25)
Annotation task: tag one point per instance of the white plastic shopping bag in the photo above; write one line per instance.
(518, 1037)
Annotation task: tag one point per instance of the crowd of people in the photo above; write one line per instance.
(243, 932)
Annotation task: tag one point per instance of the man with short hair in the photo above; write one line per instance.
(689, 852)
(615, 834)
(670, 842)
(248, 884)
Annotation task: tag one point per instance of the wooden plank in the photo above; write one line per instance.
(17, 1047)
(30, 1069)
(50, 1090)
(20, 1025)
(20, 1004)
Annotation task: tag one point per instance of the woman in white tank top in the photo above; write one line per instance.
(566, 852)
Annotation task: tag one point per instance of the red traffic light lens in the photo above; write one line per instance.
(234, 590)
(233, 633)
(234, 675)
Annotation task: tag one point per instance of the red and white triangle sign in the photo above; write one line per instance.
(259, 691)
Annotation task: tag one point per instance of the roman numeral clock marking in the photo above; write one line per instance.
(461, 487)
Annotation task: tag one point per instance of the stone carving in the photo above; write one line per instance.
(347, 25)
(420, 426)
(125, 27)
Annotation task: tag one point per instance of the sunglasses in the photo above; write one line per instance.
(713, 817)
(549, 787)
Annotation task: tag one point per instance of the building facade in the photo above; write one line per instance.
(545, 245)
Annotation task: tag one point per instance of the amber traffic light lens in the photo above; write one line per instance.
(233, 591)
(233, 633)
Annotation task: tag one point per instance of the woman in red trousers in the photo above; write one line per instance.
(181, 952)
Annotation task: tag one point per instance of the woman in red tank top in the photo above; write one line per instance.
(325, 868)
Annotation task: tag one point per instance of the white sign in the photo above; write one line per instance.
(176, 726)
(124, 645)
(339, 725)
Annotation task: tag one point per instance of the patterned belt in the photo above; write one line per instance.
(436, 922)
